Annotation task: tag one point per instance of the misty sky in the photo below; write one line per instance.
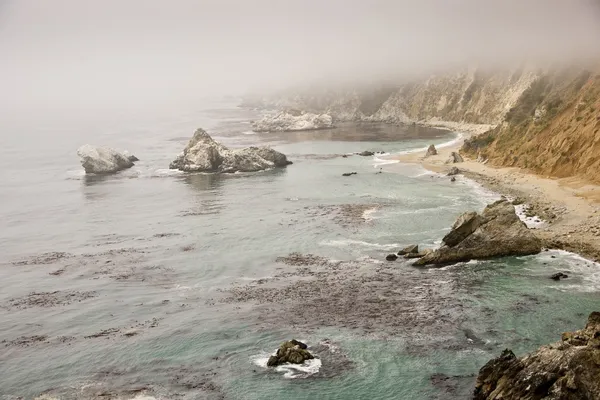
(75, 53)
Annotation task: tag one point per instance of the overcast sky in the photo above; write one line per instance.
(123, 52)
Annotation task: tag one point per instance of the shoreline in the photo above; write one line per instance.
(569, 207)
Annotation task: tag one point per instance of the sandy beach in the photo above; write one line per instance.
(570, 207)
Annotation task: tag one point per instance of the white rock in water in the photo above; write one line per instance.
(287, 122)
(102, 160)
(203, 154)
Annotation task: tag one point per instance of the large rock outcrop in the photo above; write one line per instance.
(203, 154)
(292, 351)
(284, 121)
(567, 370)
(497, 232)
(103, 160)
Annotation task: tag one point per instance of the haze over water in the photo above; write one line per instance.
(136, 281)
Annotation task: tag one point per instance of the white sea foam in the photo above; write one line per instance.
(450, 143)
(162, 172)
(367, 215)
(584, 275)
(249, 133)
(290, 371)
(531, 222)
(380, 159)
(353, 243)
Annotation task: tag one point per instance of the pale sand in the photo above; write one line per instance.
(571, 206)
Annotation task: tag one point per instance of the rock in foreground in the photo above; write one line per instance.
(567, 370)
(203, 154)
(284, 122)
(292, 351)
(497, 232)
(102, 160)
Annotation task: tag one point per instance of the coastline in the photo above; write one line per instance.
(569, 208)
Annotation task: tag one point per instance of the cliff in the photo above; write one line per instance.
(543, 120)
(553, 129)
(473, 100)
(567, 370)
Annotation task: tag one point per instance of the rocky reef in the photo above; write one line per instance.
(292, 351)
(103, 160)
(284, 122)
(567, 370)
(203, 154)
(497, 232)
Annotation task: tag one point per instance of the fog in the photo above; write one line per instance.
(75, 54)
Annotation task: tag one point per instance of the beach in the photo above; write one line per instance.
(568, 209)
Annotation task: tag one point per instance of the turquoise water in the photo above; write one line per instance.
(153, 244)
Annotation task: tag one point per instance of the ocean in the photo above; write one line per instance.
(153, 283)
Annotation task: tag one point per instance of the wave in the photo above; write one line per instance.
(290, 371)
(352, 242)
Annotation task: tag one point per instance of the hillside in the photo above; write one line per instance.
(545, 122)
(553, 129)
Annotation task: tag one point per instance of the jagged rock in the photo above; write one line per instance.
(293, 351)
(558, 276)
(102, 160)
(203, 154)
(366, 153)
(391, 257)
(454, 158)
(431, 151)
(453, 179)
(284, 122)
(453, 171)
(414, 248)
(567, 370)
(497, 232)
(420, 254)
(130, 156)
(349, 173)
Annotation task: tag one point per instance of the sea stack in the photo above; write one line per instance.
(203, 154)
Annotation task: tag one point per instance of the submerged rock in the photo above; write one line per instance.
(558, 276)
(366, 153)
(283, 122)
(349, 173)
(497, 232)
(293, 351)
(431, 151)
(203, 154)
(454, 158)
(103, 160)
(568, 370)
(391, 257)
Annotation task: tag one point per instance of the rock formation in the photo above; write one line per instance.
(203, 154)
(454, 158)
(567, 370)
(497, 232)
(102, 160)
(292, 351)
(453, 171)
(431, 151)
(283, 122)
(412, 249)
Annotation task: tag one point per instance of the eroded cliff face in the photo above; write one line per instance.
(475, 100)
(553, 129)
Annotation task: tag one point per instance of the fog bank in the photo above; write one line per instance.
(73, 54)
